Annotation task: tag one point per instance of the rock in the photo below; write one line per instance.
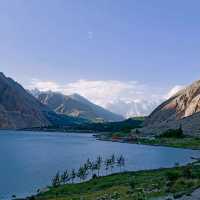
(19, 109)
(76, 106)
(181, 109)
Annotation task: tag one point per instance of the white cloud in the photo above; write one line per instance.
(174, 90)
(44, 85)
(90, 35)
(127, 98)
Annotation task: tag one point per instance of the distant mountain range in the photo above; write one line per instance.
(19, 109)
(182, 109)
(76, 106)
(133, 108)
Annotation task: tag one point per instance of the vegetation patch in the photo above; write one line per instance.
(186, 142)
(173, 133)
(140, 185)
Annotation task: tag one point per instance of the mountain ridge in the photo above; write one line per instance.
(182, 109)
(18, 109)
(21, 110)
(76, 106)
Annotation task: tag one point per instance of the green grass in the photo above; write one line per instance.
(131, 185)
(182, 142)
(187, 142)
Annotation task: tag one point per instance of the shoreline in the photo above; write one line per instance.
(105, 136)
(123, 141)
(83, 189)
(153, 145)
(149, 142)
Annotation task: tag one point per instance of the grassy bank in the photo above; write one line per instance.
(170, 138)
(131, 185)
(173, 138)
(187, 142)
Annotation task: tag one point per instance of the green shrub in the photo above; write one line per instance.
(132, 184)
(173, 133)
(139, 194)
(172, 175)
(187, 172)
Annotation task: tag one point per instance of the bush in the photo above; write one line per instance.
(172, 175)
(114, 196)
(94, 176)
(187, 172)
(132, 184)
(172, 133)
(139, 194)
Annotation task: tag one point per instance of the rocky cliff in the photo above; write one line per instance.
(18, 108)
(181, 109)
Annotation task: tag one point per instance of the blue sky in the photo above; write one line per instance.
(56, 43)
(66, 40)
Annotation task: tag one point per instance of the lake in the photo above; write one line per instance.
(28, 160)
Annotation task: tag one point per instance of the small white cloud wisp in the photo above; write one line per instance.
(174, 90)
(128, 98)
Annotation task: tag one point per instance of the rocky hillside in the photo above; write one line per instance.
(181, 109)
(19, 109)
(76, 106)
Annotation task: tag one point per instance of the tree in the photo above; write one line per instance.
(99, 164)
(73, 175)
(180, 130)
(62, 178)
(65, 177)
(187, 172)
(107, 164)
(79, 173)
(94, 167)
(56, 180)
(121, 162)
(89, 164)
(82, 173)
(112, 162)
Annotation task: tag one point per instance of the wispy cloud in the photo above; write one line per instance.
(127, 98)
(174, 90)
(90, 35)
(44, 85)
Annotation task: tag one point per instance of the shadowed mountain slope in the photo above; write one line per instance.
(18, 108)
(77, 106)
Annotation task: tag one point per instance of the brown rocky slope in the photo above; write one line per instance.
(181, 109)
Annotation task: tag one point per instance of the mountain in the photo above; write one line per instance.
(182, 109)
(19, 109)
(76, 106)
(133, 108)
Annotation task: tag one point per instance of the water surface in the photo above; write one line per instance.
(28, 160)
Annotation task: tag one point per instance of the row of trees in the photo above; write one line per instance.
(89, 169)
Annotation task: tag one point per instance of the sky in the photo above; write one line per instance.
(138, 45)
